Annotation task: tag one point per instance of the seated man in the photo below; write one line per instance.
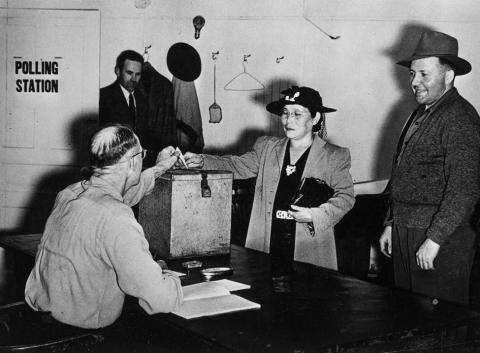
(93, 252)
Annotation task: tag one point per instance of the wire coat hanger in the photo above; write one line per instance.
(244, 81)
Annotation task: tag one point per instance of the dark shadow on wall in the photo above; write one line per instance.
(246, 140)
(270, 93)
(43, 197)
(391, 129)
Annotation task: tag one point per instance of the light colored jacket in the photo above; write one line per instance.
(92, 253)
(325, 161)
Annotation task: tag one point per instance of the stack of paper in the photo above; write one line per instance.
(213, 298)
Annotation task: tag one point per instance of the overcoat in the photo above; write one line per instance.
(325, 161)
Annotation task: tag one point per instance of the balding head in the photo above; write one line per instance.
(110, 144)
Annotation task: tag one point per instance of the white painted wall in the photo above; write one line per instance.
(358, 75)
(44, 135)
(355, 74)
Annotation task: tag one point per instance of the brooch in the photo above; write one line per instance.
(290, 169)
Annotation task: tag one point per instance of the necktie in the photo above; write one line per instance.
(131, 106)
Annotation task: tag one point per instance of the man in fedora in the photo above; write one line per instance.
(435, 181)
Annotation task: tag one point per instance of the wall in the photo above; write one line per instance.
(355, 74)
(44, 131)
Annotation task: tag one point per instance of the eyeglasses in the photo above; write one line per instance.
(297, 115)
(143, 152)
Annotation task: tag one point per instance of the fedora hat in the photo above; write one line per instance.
(305, 96)
(441, 45)
(183, 61)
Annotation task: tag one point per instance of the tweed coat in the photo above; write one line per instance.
(436, 184)
(325, 161)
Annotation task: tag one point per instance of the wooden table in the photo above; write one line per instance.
(322, 310)
(317, 311)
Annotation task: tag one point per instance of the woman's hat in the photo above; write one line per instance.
(305, 96)
(184, 62)
(441, 45)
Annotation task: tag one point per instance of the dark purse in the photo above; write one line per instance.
(312, 193)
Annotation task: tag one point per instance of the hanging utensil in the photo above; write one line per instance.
(215, 110)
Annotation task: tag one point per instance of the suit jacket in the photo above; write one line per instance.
(113, 107)
(325, 161)
(436, 184)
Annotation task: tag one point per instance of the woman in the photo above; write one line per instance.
(280, 164)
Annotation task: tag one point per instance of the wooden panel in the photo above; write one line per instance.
(45, 128)
(20, 128)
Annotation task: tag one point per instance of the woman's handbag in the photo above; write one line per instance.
(312, 193)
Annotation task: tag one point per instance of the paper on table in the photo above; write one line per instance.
(211, 289)
(232, 285)
(192, 309)
(203, 290)
(213, 298)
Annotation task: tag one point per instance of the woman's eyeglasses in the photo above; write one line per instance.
(297, 115)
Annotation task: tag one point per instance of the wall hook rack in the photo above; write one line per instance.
(145, 52)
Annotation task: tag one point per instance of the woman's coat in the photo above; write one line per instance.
(325, 161)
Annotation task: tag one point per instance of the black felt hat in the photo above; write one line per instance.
(305, 96)
(184, 62)
(441, 45)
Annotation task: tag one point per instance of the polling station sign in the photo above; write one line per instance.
(36, 76)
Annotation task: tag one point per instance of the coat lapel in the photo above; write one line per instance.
(279, 153)
(119, 95)
(314, 157)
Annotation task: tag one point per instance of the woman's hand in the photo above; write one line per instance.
(301, 214)
(193, 160)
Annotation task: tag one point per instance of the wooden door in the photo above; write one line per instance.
(49, 70)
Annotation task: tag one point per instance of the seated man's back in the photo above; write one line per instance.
(92, 253)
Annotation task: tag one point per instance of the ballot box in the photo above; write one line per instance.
(188, 214)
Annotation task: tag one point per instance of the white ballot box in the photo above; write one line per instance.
(188, 214)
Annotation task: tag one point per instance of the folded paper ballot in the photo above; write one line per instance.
(181, 157)
(213, 298)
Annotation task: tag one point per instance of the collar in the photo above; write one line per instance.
(126, 93)
(439, 101)
(103, 185)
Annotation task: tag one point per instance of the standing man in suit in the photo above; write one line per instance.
(435, 181)
(121, 102)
